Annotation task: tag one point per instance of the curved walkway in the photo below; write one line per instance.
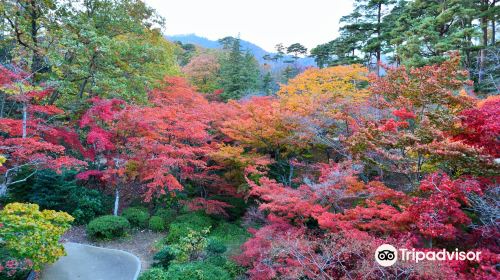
(86, 262)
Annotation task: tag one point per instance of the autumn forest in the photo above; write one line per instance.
(214, 163)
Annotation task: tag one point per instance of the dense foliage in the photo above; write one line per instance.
(62, 193)
(108, 227)
(137, 217)
(30, 234)
(242, 178)
(416, 33)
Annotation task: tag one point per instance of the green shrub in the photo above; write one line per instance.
(197, 271)
(137, 216)
(223, 262)
(164, 257)
(216, 247)
(196, 218)
(28, 233)
(183, 224)
(108, 227)
(60, 192)
(168, 215)
(154, 273)
(229, 233)
(191, 246)
(89, 204)
(219, 261)
(156, 223)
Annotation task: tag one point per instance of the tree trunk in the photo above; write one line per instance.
(493, 24)
(4, 186)
(117, 201)
(3, 189)
(53, 97)
(25, 119)
(2, 104)
(36, 59)
(82, 88)
(378, 51)
(482, 54)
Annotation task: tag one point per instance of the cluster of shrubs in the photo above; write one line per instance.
(60, 192)
(110, 227)
(196, 247)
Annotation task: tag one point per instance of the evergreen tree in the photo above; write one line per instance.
(426, 30)
(267, 83)
(239, 70)
(322, 54)
(296, 50)
(365, 24)
(250, 72)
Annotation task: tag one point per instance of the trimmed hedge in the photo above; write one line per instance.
(108, 227)
(137, 216)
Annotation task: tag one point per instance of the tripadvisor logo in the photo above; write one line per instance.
(387, 255)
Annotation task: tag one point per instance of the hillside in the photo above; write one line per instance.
(257, 51)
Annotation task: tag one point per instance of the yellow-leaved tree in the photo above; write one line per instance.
(28, 233)
(325, 103)
(315, 88)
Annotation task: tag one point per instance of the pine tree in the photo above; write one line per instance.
(426, 30)
(365, 23)
(239, 71)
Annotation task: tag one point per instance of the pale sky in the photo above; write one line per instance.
(262, 22)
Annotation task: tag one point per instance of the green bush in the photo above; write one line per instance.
(156, 223)
(216, 247)
(231, 267)
(60, 192)
(229, 233)
(191, 246)
(108, 227)
(168, 215)
(89, 204)
(183, 224)
(197, 271)
(154, 273)
(137, 216)
(164, 257)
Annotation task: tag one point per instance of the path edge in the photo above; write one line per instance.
(139, 264)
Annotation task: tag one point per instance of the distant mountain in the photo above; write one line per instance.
(195, 40)
(257, 51)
